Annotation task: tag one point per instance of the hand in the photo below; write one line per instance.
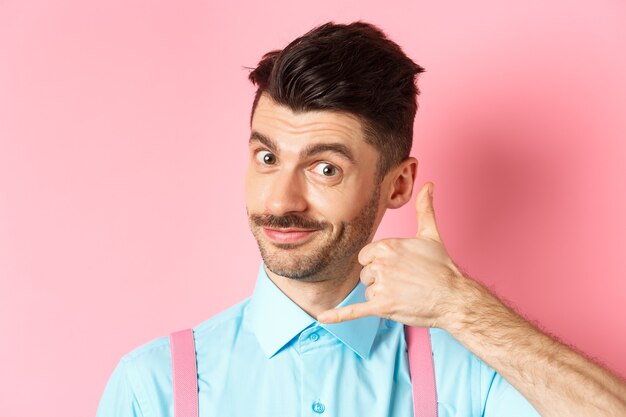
(409, 280)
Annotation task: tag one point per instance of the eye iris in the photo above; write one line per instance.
(269, 158)
(328, 170)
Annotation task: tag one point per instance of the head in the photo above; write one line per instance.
(331, 132)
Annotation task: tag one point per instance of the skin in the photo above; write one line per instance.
(294, 192)
(410, 280)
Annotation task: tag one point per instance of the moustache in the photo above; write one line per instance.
(283, 222)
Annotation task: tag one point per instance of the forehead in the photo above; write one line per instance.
(281, 124)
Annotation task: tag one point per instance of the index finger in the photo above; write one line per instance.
(367, 253)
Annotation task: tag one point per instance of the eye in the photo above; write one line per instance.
(265, 158)
(327, 170)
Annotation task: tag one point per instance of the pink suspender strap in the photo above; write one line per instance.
(184, 373)
(422, 371)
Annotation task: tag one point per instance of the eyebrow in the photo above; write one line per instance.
(309, 150)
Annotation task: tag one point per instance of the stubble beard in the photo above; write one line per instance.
(304, 263)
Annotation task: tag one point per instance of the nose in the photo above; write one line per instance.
(286, 194)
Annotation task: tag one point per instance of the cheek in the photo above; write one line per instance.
(337, 205)
(254, 190)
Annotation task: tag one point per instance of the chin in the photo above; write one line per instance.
(292, 266)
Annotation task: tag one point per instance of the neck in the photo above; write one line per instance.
(324, 291)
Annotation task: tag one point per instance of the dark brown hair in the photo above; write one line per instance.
(353, 68)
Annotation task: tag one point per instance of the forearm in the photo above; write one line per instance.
(555, 379)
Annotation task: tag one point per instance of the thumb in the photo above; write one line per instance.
(426, 222)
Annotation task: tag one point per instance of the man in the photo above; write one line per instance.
(331, 132)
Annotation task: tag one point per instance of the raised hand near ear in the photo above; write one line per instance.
(409, 280)
(414, 281)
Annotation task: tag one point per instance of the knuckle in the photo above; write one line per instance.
(375, 266)
(386, 245)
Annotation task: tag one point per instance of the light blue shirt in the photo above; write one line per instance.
(265, 356)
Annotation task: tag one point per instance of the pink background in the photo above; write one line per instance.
(123, 129)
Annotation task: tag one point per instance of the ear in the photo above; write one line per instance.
(401, 180)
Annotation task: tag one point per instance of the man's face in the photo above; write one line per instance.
(311, 194)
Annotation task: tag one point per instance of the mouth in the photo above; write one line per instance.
(289, 235)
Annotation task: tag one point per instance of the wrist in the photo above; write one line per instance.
(470, 302)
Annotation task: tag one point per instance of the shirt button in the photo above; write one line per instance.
(318, 407)
(314, 337)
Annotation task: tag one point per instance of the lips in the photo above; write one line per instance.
(289, 235)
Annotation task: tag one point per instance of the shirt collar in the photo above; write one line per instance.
(276, 319)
